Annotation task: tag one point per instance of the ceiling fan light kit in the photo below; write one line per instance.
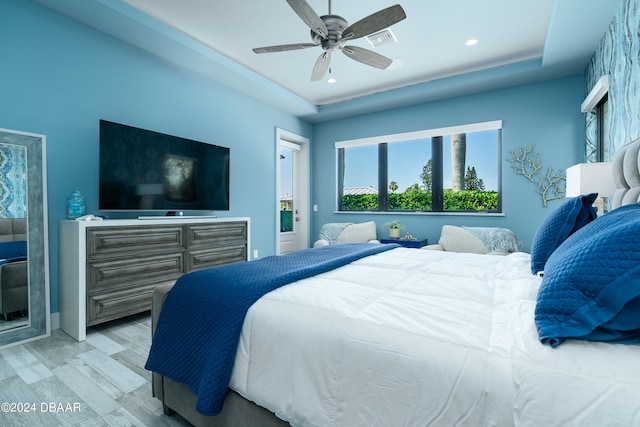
(332, 32)
(331, 79)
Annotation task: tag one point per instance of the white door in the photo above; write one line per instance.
(293, 193)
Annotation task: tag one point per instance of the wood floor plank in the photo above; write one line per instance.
(6, 371)
(103, 343)
(94, 397)
(97, 378)
(135, 337)
(134, 361)
(57, 349)
(69, 406)
(117, 374)
(104, 375)
(25, 364)
(123, 418)
(25, 405)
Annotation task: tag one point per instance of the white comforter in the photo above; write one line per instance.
(416, 338)
(580, 383)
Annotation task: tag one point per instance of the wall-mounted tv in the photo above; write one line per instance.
(142, 170)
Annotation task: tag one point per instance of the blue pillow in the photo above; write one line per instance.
(562, 223)
(13, 249)
(591, 284)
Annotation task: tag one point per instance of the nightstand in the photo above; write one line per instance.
(417, 244)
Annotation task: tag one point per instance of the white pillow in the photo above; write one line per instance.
(358, 233)
(457, 239)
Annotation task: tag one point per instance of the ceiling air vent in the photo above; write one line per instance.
(381, 38)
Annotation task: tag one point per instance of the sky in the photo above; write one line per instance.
(405, 166)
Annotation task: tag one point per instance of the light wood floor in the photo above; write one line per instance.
(97, 382)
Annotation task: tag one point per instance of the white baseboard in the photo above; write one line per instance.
(55, 321)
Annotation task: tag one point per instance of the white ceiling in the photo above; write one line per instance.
(431, 41)
(519, 41)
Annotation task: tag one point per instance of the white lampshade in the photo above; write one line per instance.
(586, 178)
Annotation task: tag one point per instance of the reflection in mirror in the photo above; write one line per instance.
(24, 268)
(14, 277)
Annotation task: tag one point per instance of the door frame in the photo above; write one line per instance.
(303, 187)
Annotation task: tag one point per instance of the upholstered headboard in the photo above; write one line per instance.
(626, 174)
(13, 229)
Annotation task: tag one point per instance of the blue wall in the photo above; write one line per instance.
(546, 115)
(59, 77)
(617, 56)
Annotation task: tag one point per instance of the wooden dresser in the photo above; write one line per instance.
(109, 269)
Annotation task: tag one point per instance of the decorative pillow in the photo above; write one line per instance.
(496, 239)
(13, 249)
(562, 223)
(458, 239)
(363, 232)
(591, 285)
(330, 231)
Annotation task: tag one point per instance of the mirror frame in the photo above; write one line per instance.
(37, 237)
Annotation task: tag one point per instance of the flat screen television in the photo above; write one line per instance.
(142, 170)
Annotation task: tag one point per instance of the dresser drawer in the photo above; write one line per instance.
(114, 305)
(133, 272)
(118, 241)
(216, 234)
(197, 259)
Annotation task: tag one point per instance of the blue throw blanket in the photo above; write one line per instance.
(199, 327)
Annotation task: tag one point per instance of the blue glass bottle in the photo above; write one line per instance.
(76, 205)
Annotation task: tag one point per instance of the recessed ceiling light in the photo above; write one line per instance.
(471, 42)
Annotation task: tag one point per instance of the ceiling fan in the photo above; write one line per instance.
(331, 32)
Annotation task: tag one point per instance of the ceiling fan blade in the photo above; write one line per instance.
(322, 64)
(283, 47)
(309, 16)
(375, 22)
(367, 57)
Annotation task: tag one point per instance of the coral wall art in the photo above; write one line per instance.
(550, 184)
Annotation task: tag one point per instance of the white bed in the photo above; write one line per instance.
(378, 341)
(397, 339)
(412, 337)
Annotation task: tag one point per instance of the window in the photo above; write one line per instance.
(603, 148)
(362, 194)
(455, 169)
(596, 107)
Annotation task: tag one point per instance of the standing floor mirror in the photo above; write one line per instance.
(24, 254)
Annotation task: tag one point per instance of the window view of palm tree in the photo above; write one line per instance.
(474, 171)
(451, 172)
